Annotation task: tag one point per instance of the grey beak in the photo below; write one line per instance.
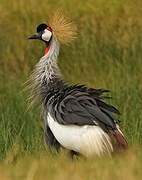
(35, 36)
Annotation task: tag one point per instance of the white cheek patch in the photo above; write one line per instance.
(46, 35)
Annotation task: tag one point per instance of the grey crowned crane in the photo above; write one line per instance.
(75, 116)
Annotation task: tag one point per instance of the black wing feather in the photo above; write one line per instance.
(82, 106)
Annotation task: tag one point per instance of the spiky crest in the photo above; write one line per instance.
(63, 28)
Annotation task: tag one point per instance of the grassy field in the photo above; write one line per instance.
(107, 54)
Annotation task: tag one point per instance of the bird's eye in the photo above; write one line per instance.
(49, 28)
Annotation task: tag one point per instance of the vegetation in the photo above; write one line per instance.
(107, 54)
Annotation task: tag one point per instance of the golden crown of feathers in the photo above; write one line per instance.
(63, 28)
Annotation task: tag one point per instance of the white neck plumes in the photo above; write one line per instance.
(48, 63)
(46, 69)
(45, 72)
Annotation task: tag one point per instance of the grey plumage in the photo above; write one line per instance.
(75, 105)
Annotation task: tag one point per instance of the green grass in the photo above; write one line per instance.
(107, 54)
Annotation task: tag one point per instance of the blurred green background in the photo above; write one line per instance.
(106, 54)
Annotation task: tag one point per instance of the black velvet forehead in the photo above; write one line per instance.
(41, 27)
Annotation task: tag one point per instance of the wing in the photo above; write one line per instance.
(51, 140)
(82, 106)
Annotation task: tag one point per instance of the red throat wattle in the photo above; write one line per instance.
(46, 50)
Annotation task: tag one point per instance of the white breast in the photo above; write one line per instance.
(87, 140)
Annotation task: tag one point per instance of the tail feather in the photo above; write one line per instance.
(119, 139)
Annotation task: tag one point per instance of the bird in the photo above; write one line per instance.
(76, 117)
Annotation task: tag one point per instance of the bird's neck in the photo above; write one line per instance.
(52, 42)
(47, 67)
(51, 55)
(46, 72)
(46, 75)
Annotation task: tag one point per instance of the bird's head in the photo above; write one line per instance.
(58, 26)
(44, 33)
